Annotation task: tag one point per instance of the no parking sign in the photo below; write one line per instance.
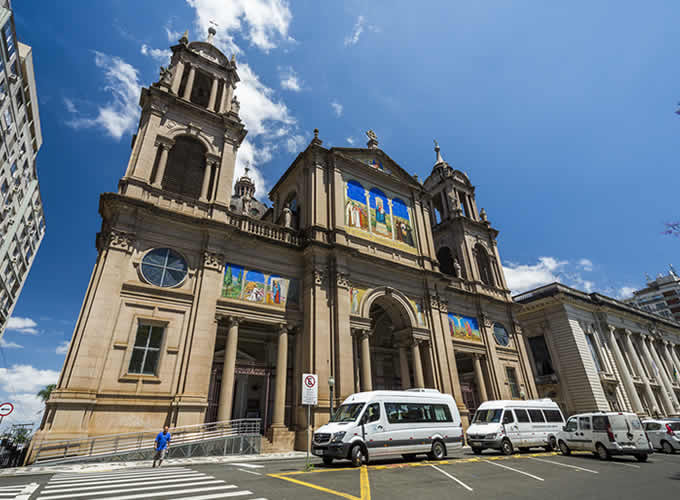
(310, 389)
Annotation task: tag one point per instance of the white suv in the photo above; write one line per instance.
(605, 434)
(663, 434)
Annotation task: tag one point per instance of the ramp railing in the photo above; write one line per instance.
(227, 437)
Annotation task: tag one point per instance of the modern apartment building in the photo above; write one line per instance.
(22, 222)
(661, 296)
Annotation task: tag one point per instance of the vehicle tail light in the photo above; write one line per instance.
(610, 434)
(669, 431)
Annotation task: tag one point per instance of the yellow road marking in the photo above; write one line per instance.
(321, 488)
(365, 485)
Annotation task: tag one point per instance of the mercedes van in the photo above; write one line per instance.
(382, 424)
(511, 425)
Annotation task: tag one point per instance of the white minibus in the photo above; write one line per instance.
(507, 425)
(381, 424)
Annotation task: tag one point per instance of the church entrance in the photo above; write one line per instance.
(473, 379)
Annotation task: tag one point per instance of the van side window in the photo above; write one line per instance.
(651, 426)
(508, 417)
(553, 415)
(373, 413)
(600, 423)
(571, 425)
(584, 423)
(536, 416)
(522, 416)
(402, 413)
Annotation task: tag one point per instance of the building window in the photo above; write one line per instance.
(512, 382)
(542, 361)
(185, 167)
(8, 118)
(8, 39)
(500, 334)
(483, 265)
(594, 352)
(164, 267)
(445, 259)
(147, 349)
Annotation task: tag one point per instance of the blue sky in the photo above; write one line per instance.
(561, 114)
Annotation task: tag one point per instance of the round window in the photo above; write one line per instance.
(164, 267)
(501, 335)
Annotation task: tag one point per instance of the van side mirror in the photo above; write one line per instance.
(564, 428)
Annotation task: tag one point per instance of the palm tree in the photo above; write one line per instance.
(44, 393)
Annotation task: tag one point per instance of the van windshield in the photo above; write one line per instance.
(491, 416)
(347, 413)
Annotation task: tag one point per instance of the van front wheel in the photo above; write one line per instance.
(552, 444)
(642, 457)
(357, 455)
(564, 449)
(438, 451)
(506, 447)
(602, 452)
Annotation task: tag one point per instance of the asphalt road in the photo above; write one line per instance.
(544, 476)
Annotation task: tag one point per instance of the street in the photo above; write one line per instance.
(531, 475)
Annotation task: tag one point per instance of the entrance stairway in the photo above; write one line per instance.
(231, 437)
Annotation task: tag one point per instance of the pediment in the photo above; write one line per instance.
(378, 161)
(210, 52)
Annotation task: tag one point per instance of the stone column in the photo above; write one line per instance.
(479, 376)
(213, 94)
(162, 163)
(228, 369)
(403, 368)
(649, 394)
(281, 375)
(190, 83)
(428, 365)
(366, 380)
(206, 180)
(670, 349)
(177, 77)
(626, 377)
(667, 393)
(419, 381)
(445, 206)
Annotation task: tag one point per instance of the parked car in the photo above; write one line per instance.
(387, 423)
(605, 434)
(507, 425)
(663, 434)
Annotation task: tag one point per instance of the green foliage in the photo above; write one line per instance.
(44, 393)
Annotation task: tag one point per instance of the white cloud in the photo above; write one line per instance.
(173, 36)
(337, 107)
(262, 22)
(625, 292)
(523, 277)
(353, 38)
(290, 79)
(70, 105)
(120, 114)
(586, 264)
(28, 408)
(258, 105)
(9, 345)
(26, 378)
(62, 348)
(295, 143)
(22, 325)
(350, 141)
(161, 55)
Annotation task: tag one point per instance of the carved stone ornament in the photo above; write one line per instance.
(342, 280)
(159, 108)
(320, 277)
(166, 76)
(518, 327)
(212, 260)
(486, 320)
(121, 240)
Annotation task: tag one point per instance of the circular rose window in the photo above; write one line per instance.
(501, 335)
(164, 267)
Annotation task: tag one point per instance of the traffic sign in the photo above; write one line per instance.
(6, 409)
(310, 389)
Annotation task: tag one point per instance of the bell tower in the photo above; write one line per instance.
(184, 151)
(464, 240)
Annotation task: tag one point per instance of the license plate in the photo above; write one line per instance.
(475, 443)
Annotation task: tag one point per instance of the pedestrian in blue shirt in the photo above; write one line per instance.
(162, 445)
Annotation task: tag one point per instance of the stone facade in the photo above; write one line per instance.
(591, 352)
(199, 310)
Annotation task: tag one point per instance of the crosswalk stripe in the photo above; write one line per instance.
(125, 479)
(123, 476)
(60, 477)
(61, 488)
(130, 490)
(248, 466)
(223, 495)
(173, 492)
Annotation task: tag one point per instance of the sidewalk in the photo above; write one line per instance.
(107, 466)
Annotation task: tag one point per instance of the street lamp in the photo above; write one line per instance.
(331, 385)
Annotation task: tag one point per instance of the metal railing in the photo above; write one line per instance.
(141, 444)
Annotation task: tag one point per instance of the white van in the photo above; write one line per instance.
(663, 434)
(376, 424)
(605, 434)
(507, 425)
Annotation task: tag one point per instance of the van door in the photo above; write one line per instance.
(374, 428)
(511, 428)
(571, 434)
(524, 425)
(585, 434)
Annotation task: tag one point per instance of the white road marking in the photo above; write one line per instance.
(624, 463)
(250, 472)
(145, 473)
(515, 470)
(248, 466)
(88, 481)
(61, 488)
(564, 465)
(222, 495)
(130, 490)
(451, 477)
(27, 491)
(18, 491)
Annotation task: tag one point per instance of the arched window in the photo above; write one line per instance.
(185, 167)
(446, 261)
(200, 93)
(483, 265)
(292, 203)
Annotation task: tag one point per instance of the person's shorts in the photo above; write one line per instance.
(161, 454)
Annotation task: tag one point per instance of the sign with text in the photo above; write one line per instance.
(310, 389)
(6, 409)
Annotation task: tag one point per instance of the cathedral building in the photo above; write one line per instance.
(207, 305)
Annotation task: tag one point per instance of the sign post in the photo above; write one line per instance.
(5, 409)
(310, 397)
